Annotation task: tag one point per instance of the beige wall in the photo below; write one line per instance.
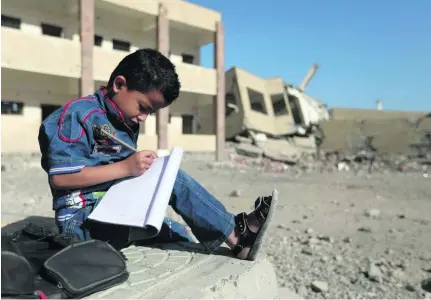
(19, 132)
(39, 69)
(63, 54)
(372, 114)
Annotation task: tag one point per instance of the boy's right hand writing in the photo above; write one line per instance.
(139, 162)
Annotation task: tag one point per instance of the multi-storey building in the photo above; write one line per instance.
(57, 50)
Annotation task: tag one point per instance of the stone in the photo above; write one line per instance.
(242, 139)
(283, 226)
(374, 273)
(338, 258)
(426, 285)
(319, 286)
(327, 239)
(235, 193)
(347, 240)
(309, 231)
(307, 251)
(389, 251)
(410, 287)
(427, 268)
(365, 229)
(396, 274)
(324, 259)
(3, 168)
(249, 150)
(372, 213)
(302, 290)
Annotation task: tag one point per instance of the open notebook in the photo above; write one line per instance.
(141, 201)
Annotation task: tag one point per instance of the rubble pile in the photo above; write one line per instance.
(251, 152)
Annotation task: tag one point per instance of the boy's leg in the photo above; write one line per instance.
(208, 219)
(213, 225)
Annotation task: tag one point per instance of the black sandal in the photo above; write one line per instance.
(264, 212)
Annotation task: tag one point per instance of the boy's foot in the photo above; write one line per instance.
(252, 227)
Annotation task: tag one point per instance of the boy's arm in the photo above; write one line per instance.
(134, 165)
(90, 176)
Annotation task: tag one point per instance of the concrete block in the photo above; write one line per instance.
(183, 271)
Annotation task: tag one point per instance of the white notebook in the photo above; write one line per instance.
(141, 201)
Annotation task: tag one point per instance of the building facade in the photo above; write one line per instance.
(57, 50)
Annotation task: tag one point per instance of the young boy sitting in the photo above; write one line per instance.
(82, 164)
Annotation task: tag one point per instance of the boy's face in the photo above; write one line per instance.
(134, 105)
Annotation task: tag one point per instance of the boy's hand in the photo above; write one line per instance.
(139, 162)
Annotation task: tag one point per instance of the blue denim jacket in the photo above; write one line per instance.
(69, 142)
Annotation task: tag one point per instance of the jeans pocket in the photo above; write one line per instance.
(74, 226)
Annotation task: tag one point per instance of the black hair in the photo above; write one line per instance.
(147, 70)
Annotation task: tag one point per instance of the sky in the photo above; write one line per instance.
(366, 50)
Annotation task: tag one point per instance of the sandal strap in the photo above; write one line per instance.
(246, 237)
(262, 206)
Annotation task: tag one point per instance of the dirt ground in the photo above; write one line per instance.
(337, 234)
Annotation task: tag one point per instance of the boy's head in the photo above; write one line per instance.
(142, 83)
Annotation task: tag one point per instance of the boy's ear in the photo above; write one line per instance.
(119, 82)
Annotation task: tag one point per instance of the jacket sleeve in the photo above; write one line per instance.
(64, 144)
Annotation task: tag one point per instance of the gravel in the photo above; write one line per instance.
(337, 234)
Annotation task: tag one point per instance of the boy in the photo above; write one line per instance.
(82, 165)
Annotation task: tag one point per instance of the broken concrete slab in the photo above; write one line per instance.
(249, 150)
(183, 270)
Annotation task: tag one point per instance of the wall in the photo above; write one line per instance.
(19, 132)
(63, 54)
(49, 72)
(359, 114)
(390, 135)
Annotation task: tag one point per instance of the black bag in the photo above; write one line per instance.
(40, 263)
(23, 253)
(85, 268)
(17, 275)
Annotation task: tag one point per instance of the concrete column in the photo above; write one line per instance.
(162, 116)
(220, 99)
(87, 42)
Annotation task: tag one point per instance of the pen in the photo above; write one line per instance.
(104, 132)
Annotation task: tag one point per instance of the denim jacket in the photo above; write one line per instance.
(69, 141)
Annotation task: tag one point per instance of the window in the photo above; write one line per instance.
(296, 109)
(257, 101)
(121, 45)
(52, 30)
(188, 58)
(48, 109)
(10, 22)
(11, 108)
(188, 124)
(230, 99)
(98, 39)
(279, 105)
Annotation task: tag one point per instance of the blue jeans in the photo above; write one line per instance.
(208, 219)
(205, 215)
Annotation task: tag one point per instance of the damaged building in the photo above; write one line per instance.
(270, 118)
